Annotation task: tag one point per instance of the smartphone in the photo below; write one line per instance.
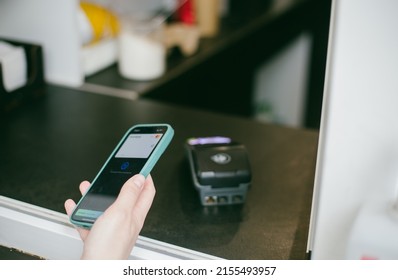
(137, 152)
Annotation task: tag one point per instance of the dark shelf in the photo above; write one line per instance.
(219, 77)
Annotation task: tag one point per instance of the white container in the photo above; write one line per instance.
(374, 233)
(14, 66)
(142, 54)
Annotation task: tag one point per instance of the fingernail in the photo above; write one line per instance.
(138, 180)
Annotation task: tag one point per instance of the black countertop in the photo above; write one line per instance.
(47, 147)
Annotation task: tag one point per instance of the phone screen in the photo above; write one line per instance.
(126, 161)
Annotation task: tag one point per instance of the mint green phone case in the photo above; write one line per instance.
(146, 169)
(160, 148)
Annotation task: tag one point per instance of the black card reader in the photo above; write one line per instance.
(220, 169)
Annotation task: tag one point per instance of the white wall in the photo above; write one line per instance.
(358, 150)
(51, 24)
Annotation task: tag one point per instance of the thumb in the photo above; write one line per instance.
(130, 191)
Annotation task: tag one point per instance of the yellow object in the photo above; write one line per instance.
(103, 22)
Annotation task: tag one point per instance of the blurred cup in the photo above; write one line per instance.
(142, 54)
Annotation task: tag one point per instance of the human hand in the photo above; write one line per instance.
(115, 232)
